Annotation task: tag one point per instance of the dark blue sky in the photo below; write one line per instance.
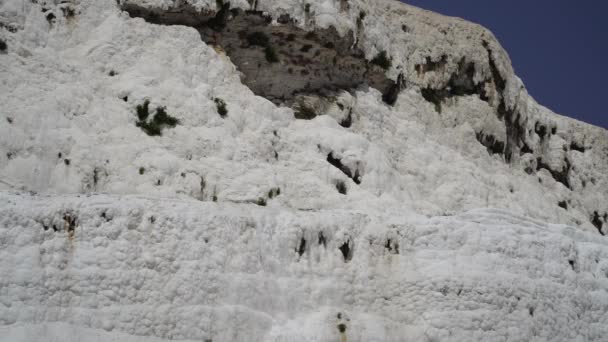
(559, 48)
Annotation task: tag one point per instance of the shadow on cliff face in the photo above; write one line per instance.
(281, 62)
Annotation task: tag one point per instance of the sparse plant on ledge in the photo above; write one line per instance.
(160, 120)
(261, 202)
(382, 60)
(2, 46)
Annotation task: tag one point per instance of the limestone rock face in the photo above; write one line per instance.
(281, 170)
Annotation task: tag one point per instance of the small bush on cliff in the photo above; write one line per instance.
(221, 107)
(160, 120)
(271, 54)
(258, 39)
(3, 46)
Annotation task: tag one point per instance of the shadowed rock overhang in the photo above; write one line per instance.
(280, 62)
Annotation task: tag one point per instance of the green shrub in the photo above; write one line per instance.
(271, 54)
(258, 39)
(382, 60)
(341, 187)
(221, 107)
(3, 46)
(160, 120)
(307, 8)
(274, 192)
(306, 48)
(150, 128)
(142, 170)
(143, 111)
(261, 202)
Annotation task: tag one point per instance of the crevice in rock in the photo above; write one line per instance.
(574, 146)
(290, 61)
(322, 239)
(347, 121)
(461, 83)
(391, 95)
(302, 246)
(69, 224)
(392, 246)
(430, 65)
(356, 177)
(597, 222)
(516, 133)
(525, 149)
(540, 130)
(562, 176)
(493, 145)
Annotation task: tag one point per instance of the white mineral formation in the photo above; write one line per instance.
(287, 170)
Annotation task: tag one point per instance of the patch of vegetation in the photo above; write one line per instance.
(382, 60)
(271, 54)
(221, 107)
(160, 120)
(291, 37)
(261, 202)
(341, 187)
(262, 40)
(306, 48)
(112, 73)
(142, 170)
(3, 46)
(307, 8)
(258, 39)
(274, 192)
(143, 111)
